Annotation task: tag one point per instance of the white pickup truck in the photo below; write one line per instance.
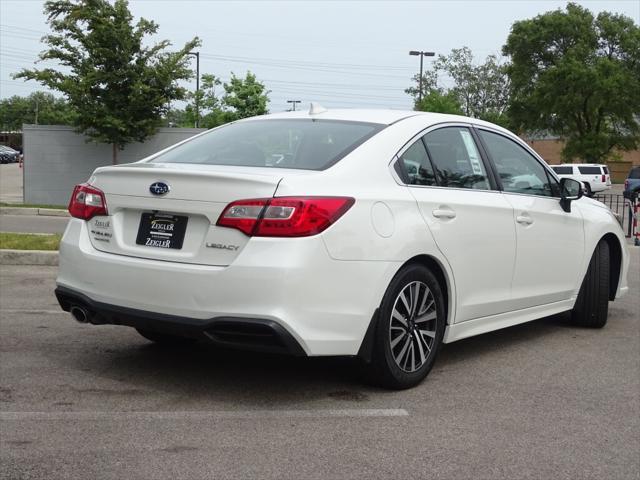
(593, 176)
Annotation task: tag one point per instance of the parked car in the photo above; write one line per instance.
(377, 234)
(632, 183)
(594, 177)
(8, 154)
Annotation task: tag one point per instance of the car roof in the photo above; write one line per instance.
(581, 165)
(380, 116)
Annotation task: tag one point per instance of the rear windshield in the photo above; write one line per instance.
(590, 170)
(563, 170)
(634, 173)
(307, 144)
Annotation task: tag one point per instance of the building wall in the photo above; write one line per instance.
(56, 158)
(550, 150)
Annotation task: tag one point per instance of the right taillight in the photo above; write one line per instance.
(626, 184)
(87, 202)
(284, 216)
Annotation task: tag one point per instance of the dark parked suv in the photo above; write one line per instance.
(632, 183)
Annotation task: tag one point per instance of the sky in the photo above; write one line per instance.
(346, 54)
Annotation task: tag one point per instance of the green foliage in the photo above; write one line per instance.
(577, 76)
(429, 82)
(482, 90)
(118, 83)
(38, 108)
(440, 102)
(245, 97)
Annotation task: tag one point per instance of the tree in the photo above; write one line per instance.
(577, 76)
(119, 85)
(37, 108)
(438, 101)
(245, 97)
(480, 91)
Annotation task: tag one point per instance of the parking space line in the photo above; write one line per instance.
(29, 311)
(201, 415)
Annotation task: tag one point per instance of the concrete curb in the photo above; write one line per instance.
(28, 257)
(45, 212)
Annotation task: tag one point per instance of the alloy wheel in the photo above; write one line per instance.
(412, 328)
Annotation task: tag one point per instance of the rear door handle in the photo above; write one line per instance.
(444, 213)
(524, 219)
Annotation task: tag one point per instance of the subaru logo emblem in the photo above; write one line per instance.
(159, 188)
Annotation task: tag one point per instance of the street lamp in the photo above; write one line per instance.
(197, 55)
(293, 102)
(422, 55)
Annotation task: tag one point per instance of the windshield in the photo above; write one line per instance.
(306, 144)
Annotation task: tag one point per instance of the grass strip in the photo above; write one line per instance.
(29, 241)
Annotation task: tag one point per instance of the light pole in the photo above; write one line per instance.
(422, 55)
(293, 102)
(197, 55)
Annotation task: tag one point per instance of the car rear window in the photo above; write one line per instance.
(634, 173)
(307, 144)
(563, 170)
(590, 170)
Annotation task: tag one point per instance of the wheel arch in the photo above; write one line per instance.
(446, 285)
(615, 262)
(435, 267)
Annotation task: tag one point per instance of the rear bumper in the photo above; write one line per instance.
(325, 305)
(247, 333)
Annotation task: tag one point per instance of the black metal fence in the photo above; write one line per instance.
(621, 206)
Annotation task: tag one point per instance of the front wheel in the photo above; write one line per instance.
(409, 330)
(592, 306)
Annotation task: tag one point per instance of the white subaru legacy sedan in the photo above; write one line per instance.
(378, 234)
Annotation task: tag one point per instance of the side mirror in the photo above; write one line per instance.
(570, 190)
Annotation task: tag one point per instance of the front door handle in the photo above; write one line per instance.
(444, 213)
(524, 219)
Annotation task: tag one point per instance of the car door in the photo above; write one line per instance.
(472, 224)
(550, 241)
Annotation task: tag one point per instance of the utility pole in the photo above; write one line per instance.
(197, 55)
(422, 55)
(293, 102)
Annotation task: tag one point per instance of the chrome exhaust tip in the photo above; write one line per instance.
(80, 314)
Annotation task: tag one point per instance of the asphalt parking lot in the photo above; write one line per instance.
(541, 400)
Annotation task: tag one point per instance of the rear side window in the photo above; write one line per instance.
(606, 170)
(634, 173)
(456, 158)
(417, 167)
(563, 170)
(306, 144)
(590, 170)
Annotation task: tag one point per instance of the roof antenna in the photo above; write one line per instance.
(315, 108)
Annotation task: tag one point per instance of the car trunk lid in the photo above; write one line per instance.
(179, 224)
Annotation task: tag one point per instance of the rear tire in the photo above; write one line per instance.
(165, 338)
(592, 306)
(409, 330)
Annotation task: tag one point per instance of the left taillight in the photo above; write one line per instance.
(87, 201)
(284, 216)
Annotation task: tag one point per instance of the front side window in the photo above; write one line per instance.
(306, 144)
(416, 165)
(518, 170)
(456, 158)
